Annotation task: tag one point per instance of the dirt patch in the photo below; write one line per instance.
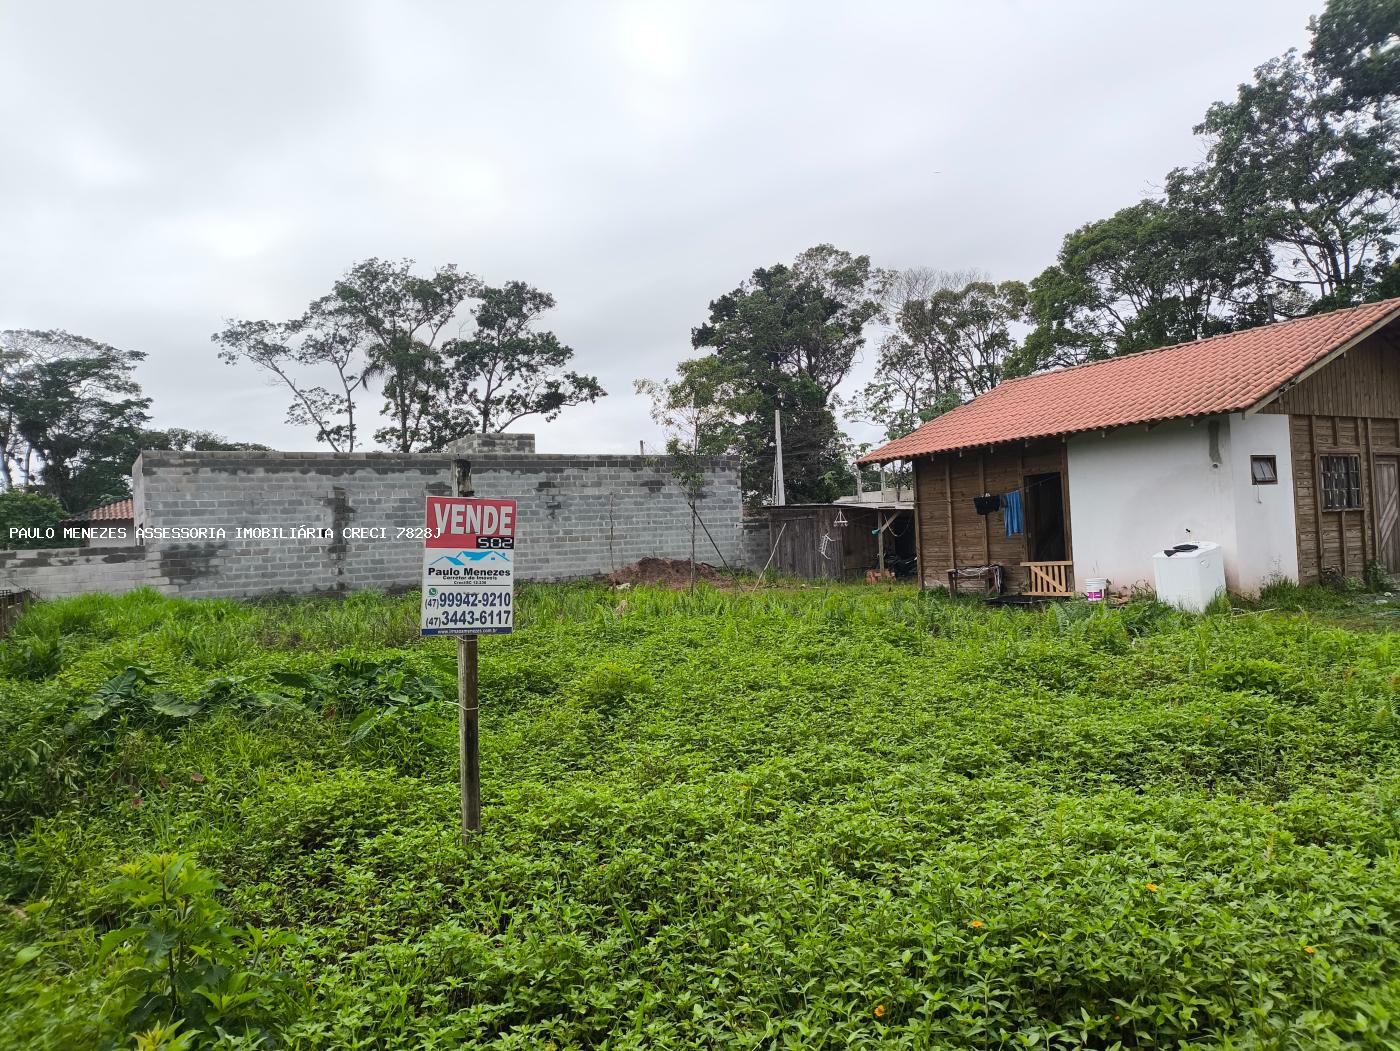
(665, 572)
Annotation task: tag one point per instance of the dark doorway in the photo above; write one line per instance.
(1045, 518)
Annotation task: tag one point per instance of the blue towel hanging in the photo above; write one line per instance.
(1011, 513)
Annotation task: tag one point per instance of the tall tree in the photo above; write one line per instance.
(1165, 270)
(1294, 210)
(403, 316)
(321, 341)
(20, 510)
(1295, 168)
(14, 354)
(948, 345)
(383, 322)
(784, 340)
(921, 282)
(692, 420)
(72, 411)
(508, 370)
(380, 321)
(913, 374)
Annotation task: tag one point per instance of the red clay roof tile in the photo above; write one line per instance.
(117, 510)
(1226, 373)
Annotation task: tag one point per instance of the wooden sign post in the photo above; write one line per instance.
(468, 704)
(468, 590)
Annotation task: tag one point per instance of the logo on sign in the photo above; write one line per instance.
(463, 557)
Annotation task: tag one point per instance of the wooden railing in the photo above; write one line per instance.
(1049, 579)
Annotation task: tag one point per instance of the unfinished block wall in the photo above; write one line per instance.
(579, 516)
(66, 571)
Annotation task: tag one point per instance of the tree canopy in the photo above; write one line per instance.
(182, 439)
(30, 511)
(507, 369)
(784, 340)
(1294, 209)
(383, 322)
(1357, 43)
(1296, 169)
(71, 412)
(948, 343)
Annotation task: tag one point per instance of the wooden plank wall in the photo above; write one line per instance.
(1350, 406)
(793, 535)
(1344, 541)
(857, 543)
(951, 532)
(852, 550)
(1365, 381)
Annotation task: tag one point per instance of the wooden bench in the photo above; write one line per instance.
(990, 576)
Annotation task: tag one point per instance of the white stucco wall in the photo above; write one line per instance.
(1134, 492)
(1266, 534)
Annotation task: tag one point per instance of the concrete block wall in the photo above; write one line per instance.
(506, 442)
(578, 516)
(754, 542)
(65, 571)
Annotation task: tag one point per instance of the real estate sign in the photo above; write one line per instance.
(468, 566)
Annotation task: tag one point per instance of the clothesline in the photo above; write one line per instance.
(1032, 485)
(1011, 504)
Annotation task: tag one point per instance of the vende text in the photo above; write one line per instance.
(474, 520)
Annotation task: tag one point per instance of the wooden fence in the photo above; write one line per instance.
(12, 604)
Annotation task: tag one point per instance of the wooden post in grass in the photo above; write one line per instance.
(468, 712)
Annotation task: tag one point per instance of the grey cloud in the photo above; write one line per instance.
(167, 165)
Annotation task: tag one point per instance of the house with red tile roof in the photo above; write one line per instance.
(111, 525)
(1279, 443)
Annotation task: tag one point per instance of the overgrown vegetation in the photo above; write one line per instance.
(847, 817)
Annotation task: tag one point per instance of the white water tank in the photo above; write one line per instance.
(1189, 576)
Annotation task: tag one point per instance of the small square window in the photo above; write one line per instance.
(1263, 470)
(1341, 482)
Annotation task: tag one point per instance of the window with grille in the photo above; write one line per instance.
(1341, 482)
(1263, 470)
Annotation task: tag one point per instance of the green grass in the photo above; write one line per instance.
(1351, 605)
(850, 817)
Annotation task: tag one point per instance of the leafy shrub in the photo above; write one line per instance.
(128, 696)
(177, 960)
(206, 643)
(31, 657)
(608, 685)
(1256, 675)
(373, 691)
(1376, 576)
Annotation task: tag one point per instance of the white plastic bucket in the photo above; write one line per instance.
(1095, 588)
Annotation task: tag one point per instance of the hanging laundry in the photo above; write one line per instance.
(986, 504)
(1012, 513)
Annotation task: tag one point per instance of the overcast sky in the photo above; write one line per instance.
(169, 165)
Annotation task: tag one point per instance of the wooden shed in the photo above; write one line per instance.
(842, 541)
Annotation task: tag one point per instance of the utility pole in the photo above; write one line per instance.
(779, 483)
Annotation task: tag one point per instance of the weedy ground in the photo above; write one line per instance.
(822, 818)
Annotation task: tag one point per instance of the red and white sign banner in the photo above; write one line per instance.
(468, 566)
